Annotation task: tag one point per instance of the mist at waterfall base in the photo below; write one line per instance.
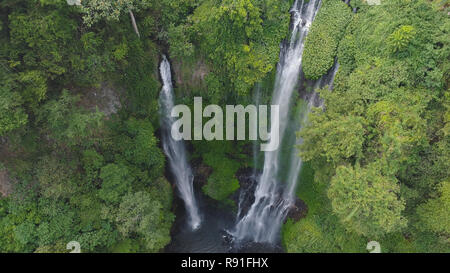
(263, 206)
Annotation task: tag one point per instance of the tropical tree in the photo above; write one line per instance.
(366, 200)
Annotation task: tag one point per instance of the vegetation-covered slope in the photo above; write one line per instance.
(76, 174)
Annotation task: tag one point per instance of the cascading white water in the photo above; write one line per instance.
(296, 161)
(175, 150)
(272, 202)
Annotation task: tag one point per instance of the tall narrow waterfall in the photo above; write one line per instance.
(175, 150)
(274, 194)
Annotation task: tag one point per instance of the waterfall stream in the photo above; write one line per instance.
(265, 203)
(175, 150)
(272, 197)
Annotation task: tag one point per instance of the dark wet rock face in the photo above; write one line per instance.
(298, 211)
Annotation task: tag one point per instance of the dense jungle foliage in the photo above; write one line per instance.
(380, 150)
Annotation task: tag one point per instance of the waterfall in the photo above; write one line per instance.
(296, 161)
(175, 150)
(272, 197)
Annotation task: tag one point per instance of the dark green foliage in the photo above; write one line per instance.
(56, 178)
(367, 200)
(138, 215)
(179, 43)
(320, 231)
(143, 90)
(135, 143)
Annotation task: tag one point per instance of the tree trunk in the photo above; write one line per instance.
(133, 22)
